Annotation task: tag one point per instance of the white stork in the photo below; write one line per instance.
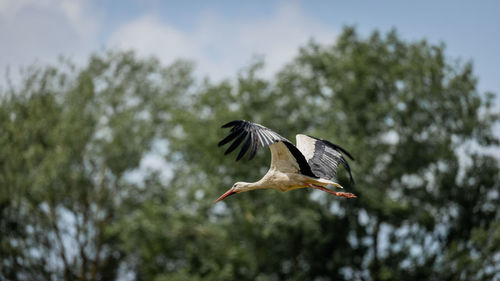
(312, 163)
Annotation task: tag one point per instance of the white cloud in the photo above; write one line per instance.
(219, 46)
(41, 30)
(149, 36)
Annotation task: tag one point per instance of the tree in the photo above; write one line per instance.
(69, 138)
(76, 142)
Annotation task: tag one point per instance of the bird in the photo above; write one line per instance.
(312, 163)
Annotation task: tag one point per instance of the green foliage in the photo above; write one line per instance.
(68, 138)
(74, 140)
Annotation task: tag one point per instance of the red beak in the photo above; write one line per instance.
(227, 194)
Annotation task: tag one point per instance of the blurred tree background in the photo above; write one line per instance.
(79, 201)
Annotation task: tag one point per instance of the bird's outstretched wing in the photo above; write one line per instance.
(251, 134)
(323, 156)
(284, 155)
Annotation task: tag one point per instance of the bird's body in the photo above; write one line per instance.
(312, 163)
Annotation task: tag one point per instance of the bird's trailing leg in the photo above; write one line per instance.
(340, 194)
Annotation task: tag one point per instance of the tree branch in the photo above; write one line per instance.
(62, 250)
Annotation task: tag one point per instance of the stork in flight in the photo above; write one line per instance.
(312, 163)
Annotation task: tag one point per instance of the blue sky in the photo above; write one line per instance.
(222, 36)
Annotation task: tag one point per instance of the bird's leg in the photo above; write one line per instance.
(340, 194)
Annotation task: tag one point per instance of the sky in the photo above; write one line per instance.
(224, 36)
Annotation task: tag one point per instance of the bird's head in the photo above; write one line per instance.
(236, 188)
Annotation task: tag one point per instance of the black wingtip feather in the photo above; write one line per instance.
(334, 146)
(230, 137)
(245, 147)
(341, 149)
(232, 123)
(253, 135)
(348, 169)
(236, 142)
(255, 145)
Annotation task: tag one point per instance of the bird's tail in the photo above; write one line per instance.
(327, 183)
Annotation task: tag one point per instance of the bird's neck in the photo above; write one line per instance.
(254, 185)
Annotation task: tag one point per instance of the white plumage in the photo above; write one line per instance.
(282, 159)
(306, 145)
